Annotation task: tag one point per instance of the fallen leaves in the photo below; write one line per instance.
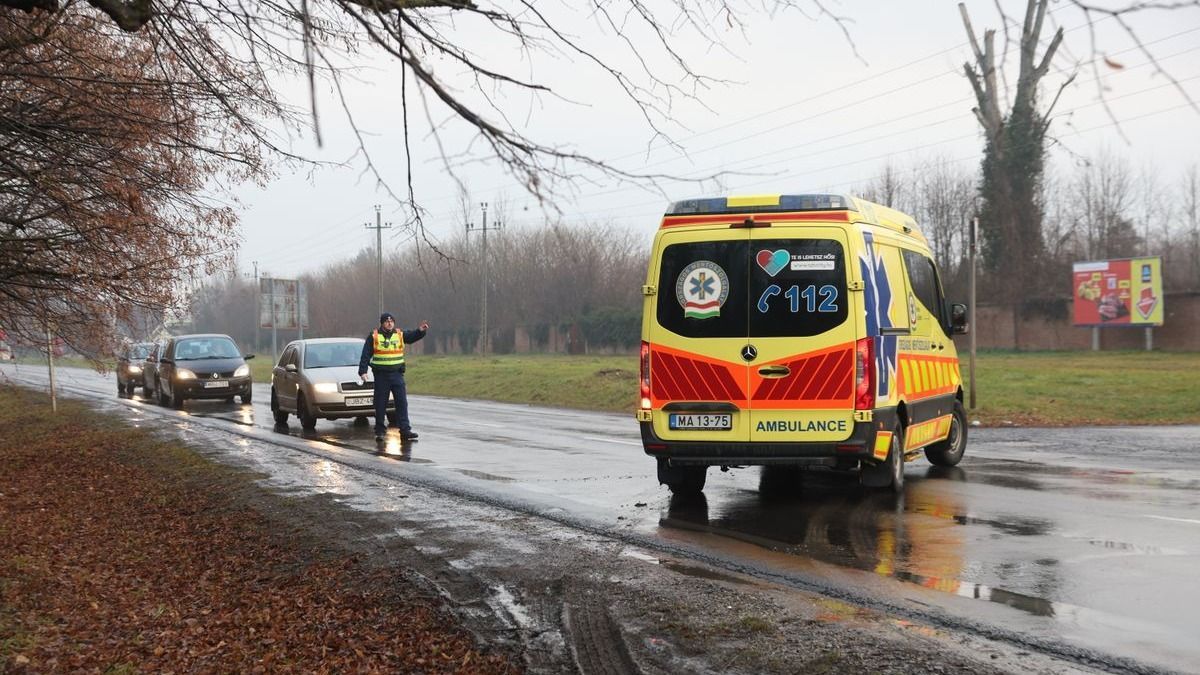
(107, 562)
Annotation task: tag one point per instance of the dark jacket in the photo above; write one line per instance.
(410, 336)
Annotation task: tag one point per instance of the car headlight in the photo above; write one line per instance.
(135, 369)
(185, 374)
(242, 371)
(325, 387)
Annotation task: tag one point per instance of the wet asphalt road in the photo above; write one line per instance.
(1083, 540)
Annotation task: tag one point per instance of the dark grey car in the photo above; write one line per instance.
(129, 367)
(202, 366)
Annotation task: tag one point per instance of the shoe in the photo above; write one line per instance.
(409, 436)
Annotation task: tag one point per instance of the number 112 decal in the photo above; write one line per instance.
(828, 298)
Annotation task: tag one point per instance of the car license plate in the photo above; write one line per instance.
(717, 422)
(360, 400)
(215, 384)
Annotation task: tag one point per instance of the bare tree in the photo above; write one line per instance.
(449, 77)
(108, 153)
(1189, 213)
(1011, 212)
(887, 187)
(1102, 192)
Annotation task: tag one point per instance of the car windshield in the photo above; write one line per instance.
(193, 349)
(140, 351)
(332, 354)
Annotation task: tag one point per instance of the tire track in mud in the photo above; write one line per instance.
(596, 641)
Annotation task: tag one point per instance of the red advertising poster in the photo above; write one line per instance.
(1118, 292)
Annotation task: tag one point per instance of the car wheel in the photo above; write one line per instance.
(682, 480)
(889, 472)
(229, 399)
(361, 421)
(120, 388)
(308, 421)
(950, 451)
(176, 400)
(246, 397)
(162, 395)
(280, 415)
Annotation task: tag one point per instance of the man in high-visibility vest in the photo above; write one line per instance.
(384, 353)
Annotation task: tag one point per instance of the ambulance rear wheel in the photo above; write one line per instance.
(950, 451)
(682, 480)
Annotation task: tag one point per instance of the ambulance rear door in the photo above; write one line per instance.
(698, 380)
(801, 321)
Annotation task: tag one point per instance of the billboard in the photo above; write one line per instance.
(1124, 292)
(282, 304)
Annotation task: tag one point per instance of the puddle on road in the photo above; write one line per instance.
(485, 476)
(916, 538)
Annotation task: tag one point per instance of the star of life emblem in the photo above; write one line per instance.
(702, 288)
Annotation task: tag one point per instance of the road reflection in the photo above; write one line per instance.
(917, 537)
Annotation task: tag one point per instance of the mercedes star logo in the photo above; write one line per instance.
(749, 353)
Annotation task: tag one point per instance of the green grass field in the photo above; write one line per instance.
(1027, 388)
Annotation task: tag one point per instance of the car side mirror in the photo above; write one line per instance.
(291, 367)
(166, 360)
(958, 319)
(248, 357)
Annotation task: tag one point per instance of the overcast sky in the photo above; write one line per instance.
(802, 109)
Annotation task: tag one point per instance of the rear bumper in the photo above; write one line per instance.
(842, 454)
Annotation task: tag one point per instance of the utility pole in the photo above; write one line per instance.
(257, 302)
(483, 322)
(50, 361)
(379, 228)
(971, 318)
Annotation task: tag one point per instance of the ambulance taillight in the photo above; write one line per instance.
(864, 374)
(644, 375)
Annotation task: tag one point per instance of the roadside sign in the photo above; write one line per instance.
(1121, 292)
(282, 304)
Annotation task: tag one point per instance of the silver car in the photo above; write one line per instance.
(318, 378)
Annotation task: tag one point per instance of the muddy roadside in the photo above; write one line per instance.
(124, 551)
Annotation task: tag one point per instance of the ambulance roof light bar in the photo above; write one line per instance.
(762, 204)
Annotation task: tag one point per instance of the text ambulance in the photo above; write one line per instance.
(803, 330)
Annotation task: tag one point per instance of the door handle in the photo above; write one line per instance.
(774, 371)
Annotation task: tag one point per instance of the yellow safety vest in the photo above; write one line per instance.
(388, 351)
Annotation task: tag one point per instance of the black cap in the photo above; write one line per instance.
(385, 316)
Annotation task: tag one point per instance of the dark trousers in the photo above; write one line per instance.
(391, 382)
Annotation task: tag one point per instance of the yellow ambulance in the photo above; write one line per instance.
(807, 330)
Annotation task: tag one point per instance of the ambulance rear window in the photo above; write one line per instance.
(703, 288)
(797, 287)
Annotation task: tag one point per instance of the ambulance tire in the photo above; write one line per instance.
(890, 472)
(950, 451)
(682, 480)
